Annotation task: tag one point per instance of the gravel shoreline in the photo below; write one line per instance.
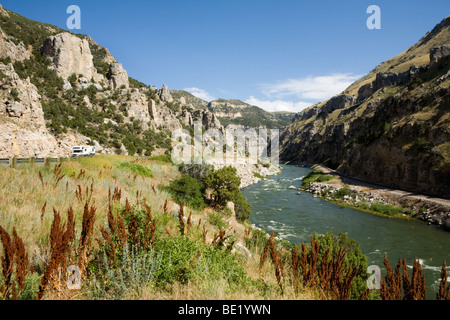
(433, 211)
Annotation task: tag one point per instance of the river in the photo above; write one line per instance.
(296, 218)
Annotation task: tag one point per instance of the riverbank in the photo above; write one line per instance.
(361, 195)
(251, 173)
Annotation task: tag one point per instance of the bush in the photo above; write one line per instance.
(242, 208)
(354, 257)
(32, 283)
(386, 209)
(224, 184)
(344, 191)
(187, 191)
(178, 262)
(196, 171)
(15, 94)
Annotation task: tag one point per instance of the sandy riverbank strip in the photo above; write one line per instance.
(432, 210)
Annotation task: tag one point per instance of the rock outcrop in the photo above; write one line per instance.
(138, 107)
(70, 55)
(8, 49)
(22, 126)
(163, 118)
(208, 119)
(251, 174)
(164, 94)
(117, 76)
(438, 53)
(387, 79)
(339, 102)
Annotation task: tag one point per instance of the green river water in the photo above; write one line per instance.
(296, 218)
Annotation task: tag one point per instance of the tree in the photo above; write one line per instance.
(242, 208)
(197, 171)
(187, 191)
(224, 184)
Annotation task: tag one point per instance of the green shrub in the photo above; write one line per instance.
(344, 191)
(32, 283)
(113, 281)
(354, 257)
(224, 184)
(386, 209)
(242, 208)
(177, 255)
(187, 191)
(15, 94)
(257, 175)
(196, 171)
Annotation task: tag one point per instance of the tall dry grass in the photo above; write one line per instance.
(399, 285)
(328, 276)
(93, 189)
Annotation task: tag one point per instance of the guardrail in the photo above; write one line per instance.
(16, 162)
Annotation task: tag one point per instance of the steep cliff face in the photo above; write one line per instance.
(69, 55)
(23, 132)
(58, 90)
(392, 127)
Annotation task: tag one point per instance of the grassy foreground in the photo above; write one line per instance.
(191, 265)
(106, 228)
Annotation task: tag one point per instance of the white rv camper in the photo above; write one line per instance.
(83, 151)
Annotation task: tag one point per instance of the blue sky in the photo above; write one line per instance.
(279, 55)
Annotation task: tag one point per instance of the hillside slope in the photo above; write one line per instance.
(391, 127)
(236, 112)
(59, 89)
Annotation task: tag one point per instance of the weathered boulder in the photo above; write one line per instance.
(15, 109)
(438, 53)
(117, 76)
(70, 55)
(164, 94)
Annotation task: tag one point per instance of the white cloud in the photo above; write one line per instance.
(278, 105)
(200, 93)
(317, 88)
